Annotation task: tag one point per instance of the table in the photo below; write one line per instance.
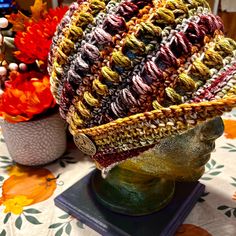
(31, 210)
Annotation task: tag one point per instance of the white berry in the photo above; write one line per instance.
(13, 67)
(23, 67)
(3, 71)
(3, 22)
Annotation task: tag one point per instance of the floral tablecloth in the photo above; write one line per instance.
(29, 209)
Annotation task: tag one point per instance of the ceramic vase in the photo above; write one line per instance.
(35, 142)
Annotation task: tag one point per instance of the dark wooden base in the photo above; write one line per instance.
(80, 202)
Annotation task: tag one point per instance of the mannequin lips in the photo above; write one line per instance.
(203, 159)
(200, 161)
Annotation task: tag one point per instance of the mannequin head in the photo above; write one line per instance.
(181, 157)
(146, 183)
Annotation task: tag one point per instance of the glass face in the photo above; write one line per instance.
(181, 157)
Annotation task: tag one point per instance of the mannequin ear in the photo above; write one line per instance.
(212, 129)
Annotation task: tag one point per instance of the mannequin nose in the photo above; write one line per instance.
(212, 129)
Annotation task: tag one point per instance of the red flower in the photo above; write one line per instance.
(34, 42)
(25, 95)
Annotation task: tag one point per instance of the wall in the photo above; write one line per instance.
(229, 19)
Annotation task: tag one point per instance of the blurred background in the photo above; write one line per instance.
(224, 8)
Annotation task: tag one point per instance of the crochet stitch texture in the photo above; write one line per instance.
(128, 73)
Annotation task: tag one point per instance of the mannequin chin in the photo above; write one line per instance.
(181, 157)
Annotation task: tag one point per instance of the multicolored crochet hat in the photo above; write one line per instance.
(129, 73)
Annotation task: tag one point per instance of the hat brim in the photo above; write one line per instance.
(127, 137)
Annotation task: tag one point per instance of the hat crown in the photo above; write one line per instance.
(114, 59)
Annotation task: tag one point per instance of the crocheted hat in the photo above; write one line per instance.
(128, 73)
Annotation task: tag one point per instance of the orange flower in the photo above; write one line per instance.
(230, 129)
(25, 95)
(33, 43)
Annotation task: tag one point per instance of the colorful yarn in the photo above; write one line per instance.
(65, 21)
(129, 73)
(113, 76)
(86, 34)
(101, 37)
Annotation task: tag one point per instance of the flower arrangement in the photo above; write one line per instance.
(24, 80)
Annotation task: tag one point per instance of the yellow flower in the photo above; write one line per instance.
(15, 205)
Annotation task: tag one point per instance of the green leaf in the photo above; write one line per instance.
(62, 164)
(220, 166)
(231, 145)
(4, 157)
(228, 213)
(234, 179)
(3, 233)
(215, 173)
(225, 147)
(232, 150)
(205, 194)
(201, 200)
(5, 167)
(32, 220)
(234, 212)
(2, 140)
(53, 226)
(59, 232)
(7, 162)
(213, 162)
(223, 207)
(80, 225)
(208, 165)
(18, 222)
(206, 178)
(1, 178)
(6, 218)
(32, 211)
(233, 184)
(68, 229)
(64, 216)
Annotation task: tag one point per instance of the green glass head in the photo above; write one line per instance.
(181, 157)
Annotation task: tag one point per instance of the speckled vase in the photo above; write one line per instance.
(35, 142)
